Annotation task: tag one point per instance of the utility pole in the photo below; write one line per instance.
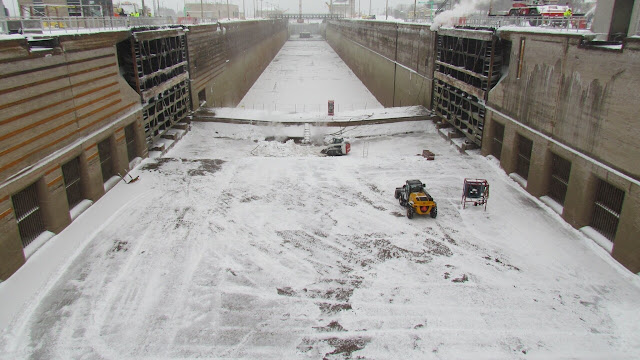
(386, 11)
(369, 7)
(201, 10)
(414, 10)
(228, 15)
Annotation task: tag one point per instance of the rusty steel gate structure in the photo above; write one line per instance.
(154, 63)
(468, 64)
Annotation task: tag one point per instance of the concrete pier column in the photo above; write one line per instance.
(141, 141)
(93, 187)
(539, 168)
(487, 134)
(11, 251)
(626, 245)
(120, 157)
(509, 155)
(581, 192)
(52, 196)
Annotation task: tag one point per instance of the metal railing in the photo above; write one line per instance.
(307, 108)
(559, 182)
(574, 23)
(606, 209)
(71, 24)
(28, 215)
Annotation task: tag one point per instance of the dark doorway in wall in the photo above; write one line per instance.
(106, 163)
(72, 183)
(202, 97)
(606, 209)
(498, 136)
(560, 171)
(28, 214)
(525, 146)
(130, 138)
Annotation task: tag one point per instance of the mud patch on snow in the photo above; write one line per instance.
(180, 215)
(382, 250)
(366, 200)
(332, 327)
(374, 188)
(330, 309)
(437, 248)
(286, 291)
(397, 214)
(463, 278)
(202, 166)
(496, 261)
(120, 246)
(343, 347)
(247, 199)
(206, 166)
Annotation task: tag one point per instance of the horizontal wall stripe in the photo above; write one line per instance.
(25, 86)
(120, 138)
(51, 131)
(4, 199)
(5, 213)
(67, 63)
(17, 161)
(52, 170)
(34, 111)
(92, 156)
(49, 184)
(24, 100)
(55, 116)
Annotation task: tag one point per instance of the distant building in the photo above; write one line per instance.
(57, 8)
(345, 8)
(212, 11)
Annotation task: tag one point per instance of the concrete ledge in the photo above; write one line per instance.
(316, 123)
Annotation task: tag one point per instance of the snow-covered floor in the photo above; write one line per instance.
(235, 247)
(303, 77)
(231, 246)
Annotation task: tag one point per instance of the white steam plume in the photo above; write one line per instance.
(461, 9)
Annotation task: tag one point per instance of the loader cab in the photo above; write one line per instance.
(415, 186)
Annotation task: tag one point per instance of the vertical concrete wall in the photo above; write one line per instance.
(578, 96)
(574, 101)
(55, 105)
(59, 104)
(225, 61)
(244, 68)
(394, 61)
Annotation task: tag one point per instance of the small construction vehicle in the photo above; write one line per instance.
(336, 147)
(416, 199)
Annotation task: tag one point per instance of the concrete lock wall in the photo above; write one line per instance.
(576, 95)
(394, 61)
(573, 101)
(569, 99)
(225, 62)
(58, 104)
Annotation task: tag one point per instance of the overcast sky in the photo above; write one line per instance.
(308, 6)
